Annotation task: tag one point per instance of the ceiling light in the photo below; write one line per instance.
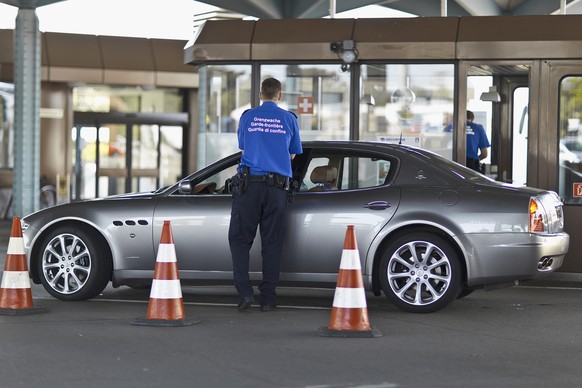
(492, 95)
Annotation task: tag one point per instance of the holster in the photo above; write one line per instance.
(277, 180)
(240, 181)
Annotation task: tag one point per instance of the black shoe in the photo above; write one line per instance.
(265, 308)
(245, 303)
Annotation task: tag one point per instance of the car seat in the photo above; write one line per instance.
(324, 177)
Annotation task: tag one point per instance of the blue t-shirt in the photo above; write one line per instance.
(268, 135)
(476, 139)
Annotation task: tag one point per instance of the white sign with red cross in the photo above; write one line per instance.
(577, 190)
(305, 105)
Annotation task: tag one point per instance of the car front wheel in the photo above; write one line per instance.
(73, 263)
(420, 272)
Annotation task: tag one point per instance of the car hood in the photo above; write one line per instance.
(126, 196)
(72, 207)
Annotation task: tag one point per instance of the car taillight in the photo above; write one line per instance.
(536, 217)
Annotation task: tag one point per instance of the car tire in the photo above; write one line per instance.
(420, 272)
(465, 292)
(73, 263)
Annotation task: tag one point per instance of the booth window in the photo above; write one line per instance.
(570, 144)
(224, 94)
(318, 94)
(409, 104)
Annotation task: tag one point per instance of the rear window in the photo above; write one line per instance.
(346, 171)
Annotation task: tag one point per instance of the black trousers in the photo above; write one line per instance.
(474, 164)
(259, 206)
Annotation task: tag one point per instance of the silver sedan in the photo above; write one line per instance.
(428, 230)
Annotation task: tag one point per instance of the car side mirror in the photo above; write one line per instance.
(185, 187)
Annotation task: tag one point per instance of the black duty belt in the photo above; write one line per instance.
(272, 179)
(258, 178)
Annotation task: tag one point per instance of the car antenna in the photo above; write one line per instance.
(400, 141)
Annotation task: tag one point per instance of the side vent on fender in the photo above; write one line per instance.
(131, 223)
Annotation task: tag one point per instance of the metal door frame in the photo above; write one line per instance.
(502, 154)
(504, 83)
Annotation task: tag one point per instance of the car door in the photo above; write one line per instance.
(357, 192)
(200, 220)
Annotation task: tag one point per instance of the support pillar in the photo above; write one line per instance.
(26, 174)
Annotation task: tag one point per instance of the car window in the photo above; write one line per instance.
(312, 182)
(217, 183)
(332, 172)
(362, 172)
(214, 181)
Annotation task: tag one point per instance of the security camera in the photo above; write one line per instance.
(345, 67)
(335, 47)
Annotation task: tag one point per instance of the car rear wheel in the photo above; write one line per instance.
(465, 292)
(73, 263)
(420, 272)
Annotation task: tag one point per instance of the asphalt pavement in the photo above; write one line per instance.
(524, 336)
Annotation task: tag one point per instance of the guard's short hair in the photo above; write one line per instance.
(270, 88)
(470, 115)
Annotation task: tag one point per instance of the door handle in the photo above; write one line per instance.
(377, 205)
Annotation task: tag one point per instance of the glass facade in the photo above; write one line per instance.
(410, 103)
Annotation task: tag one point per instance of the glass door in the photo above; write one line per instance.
(558, 151)
(561, 133)
(84, 162)
(498, 94)
(570, 139)
(112, 159)
(116, 158)
(156, 156)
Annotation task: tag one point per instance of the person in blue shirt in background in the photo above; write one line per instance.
(269, 138)
(477, 142)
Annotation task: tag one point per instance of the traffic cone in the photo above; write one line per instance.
(349, 315)
(15, 291)
(166, 307)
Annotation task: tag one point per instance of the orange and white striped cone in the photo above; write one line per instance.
(165, 307)
(15, 291)
(349, 315)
